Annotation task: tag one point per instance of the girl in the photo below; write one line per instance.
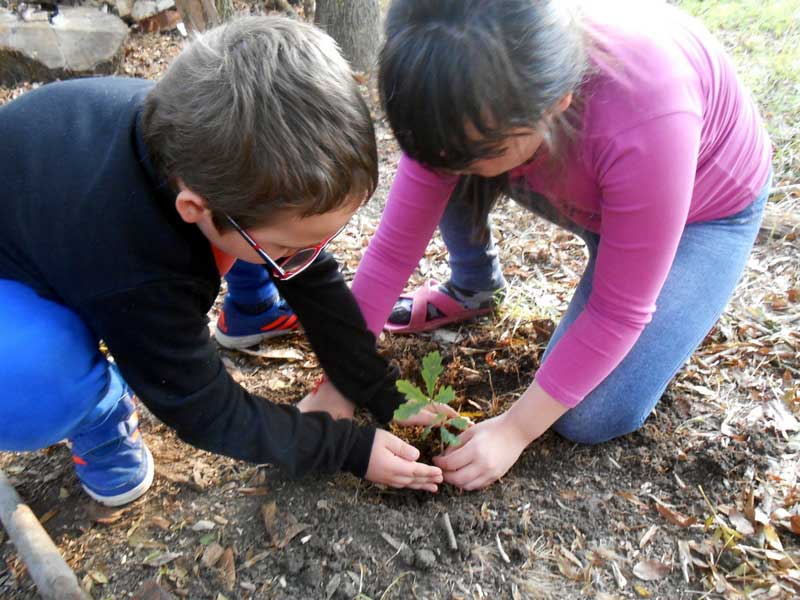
(629, 128)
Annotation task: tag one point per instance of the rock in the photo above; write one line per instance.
(424, 559)
(144, 9)
(84, 41)
(123, 8)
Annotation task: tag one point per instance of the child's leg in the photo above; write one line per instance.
(56, 384)
(252, 310)
(474, 266)
(476, 276)
(710, 260)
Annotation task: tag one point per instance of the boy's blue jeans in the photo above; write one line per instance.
(710, 260)
(54, 382)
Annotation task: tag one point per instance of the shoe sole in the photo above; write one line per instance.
(237, 342)
(132, 494)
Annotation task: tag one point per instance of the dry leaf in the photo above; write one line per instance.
(98, 577)
(280, 531)
(648, 536)
(620, 579)
(161, 523)
(212, 553)
(650, 570)
(741, 523)
(203, 525)
(794, 524)
(772, 537)
(150, 590)
(276, 353)
(228, 569)
(158, 558)
(674, 517)
(254, 491)
(104, 515)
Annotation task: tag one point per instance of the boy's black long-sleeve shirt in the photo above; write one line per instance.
(89, 224)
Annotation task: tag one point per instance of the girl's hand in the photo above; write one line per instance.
(487, 451)
(428, 415)
(490, 448)
(326, 398)
(393, 463)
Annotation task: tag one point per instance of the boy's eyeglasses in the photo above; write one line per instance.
(288, 266)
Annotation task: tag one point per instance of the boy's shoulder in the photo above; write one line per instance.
(90, 93)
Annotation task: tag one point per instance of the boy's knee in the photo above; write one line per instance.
(50, 381)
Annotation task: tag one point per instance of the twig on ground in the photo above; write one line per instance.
(52, 576)
(448, 529)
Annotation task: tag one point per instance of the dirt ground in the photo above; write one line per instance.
(701, 502)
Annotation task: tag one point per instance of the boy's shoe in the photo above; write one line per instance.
(112, 462)
(236, 329)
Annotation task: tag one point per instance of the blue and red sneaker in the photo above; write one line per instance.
(237, 329)
(111, 460)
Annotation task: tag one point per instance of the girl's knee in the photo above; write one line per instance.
(594, 429)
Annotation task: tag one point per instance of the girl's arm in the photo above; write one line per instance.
(646, 176)
(413, 210)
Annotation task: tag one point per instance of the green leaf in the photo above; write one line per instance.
(459, 423)
(408, 409)
(448, 438)
(208, 538)
(431, 369)
(411, 391)
(445, 395)
(426, 432)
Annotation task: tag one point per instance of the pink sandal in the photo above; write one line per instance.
(452, 310)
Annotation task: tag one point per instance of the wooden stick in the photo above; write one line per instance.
(53, 578)
(448, 529)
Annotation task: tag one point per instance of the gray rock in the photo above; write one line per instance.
(144, 9)
(123, 8)
(424, 559)
(83, 41)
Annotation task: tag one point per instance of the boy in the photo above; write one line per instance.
(124, 201)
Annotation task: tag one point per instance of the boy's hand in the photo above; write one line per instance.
(429, 415)
(326, 398)
(392, 463)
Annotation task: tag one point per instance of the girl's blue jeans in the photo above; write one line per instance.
(710, 260)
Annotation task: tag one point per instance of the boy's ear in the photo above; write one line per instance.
(190, 206)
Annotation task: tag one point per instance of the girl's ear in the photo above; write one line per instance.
(564, 103)
(191, 206)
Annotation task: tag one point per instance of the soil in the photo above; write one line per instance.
(567, 521)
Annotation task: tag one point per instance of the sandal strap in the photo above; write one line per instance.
(429, 294)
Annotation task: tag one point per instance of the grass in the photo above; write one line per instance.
(763, 37)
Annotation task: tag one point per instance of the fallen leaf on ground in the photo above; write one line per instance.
(741, 523)
(158, 559)
(673, 516)
(228, 569)
(650, 570)
(150, 590)
(212, 554)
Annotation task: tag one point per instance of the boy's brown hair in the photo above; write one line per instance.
(261, 115)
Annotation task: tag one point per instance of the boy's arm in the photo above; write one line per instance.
(339, 336)
(159, 337)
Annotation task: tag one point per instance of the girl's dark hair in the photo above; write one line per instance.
(452, 68)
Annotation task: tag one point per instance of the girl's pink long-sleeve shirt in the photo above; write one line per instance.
(669, 137)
